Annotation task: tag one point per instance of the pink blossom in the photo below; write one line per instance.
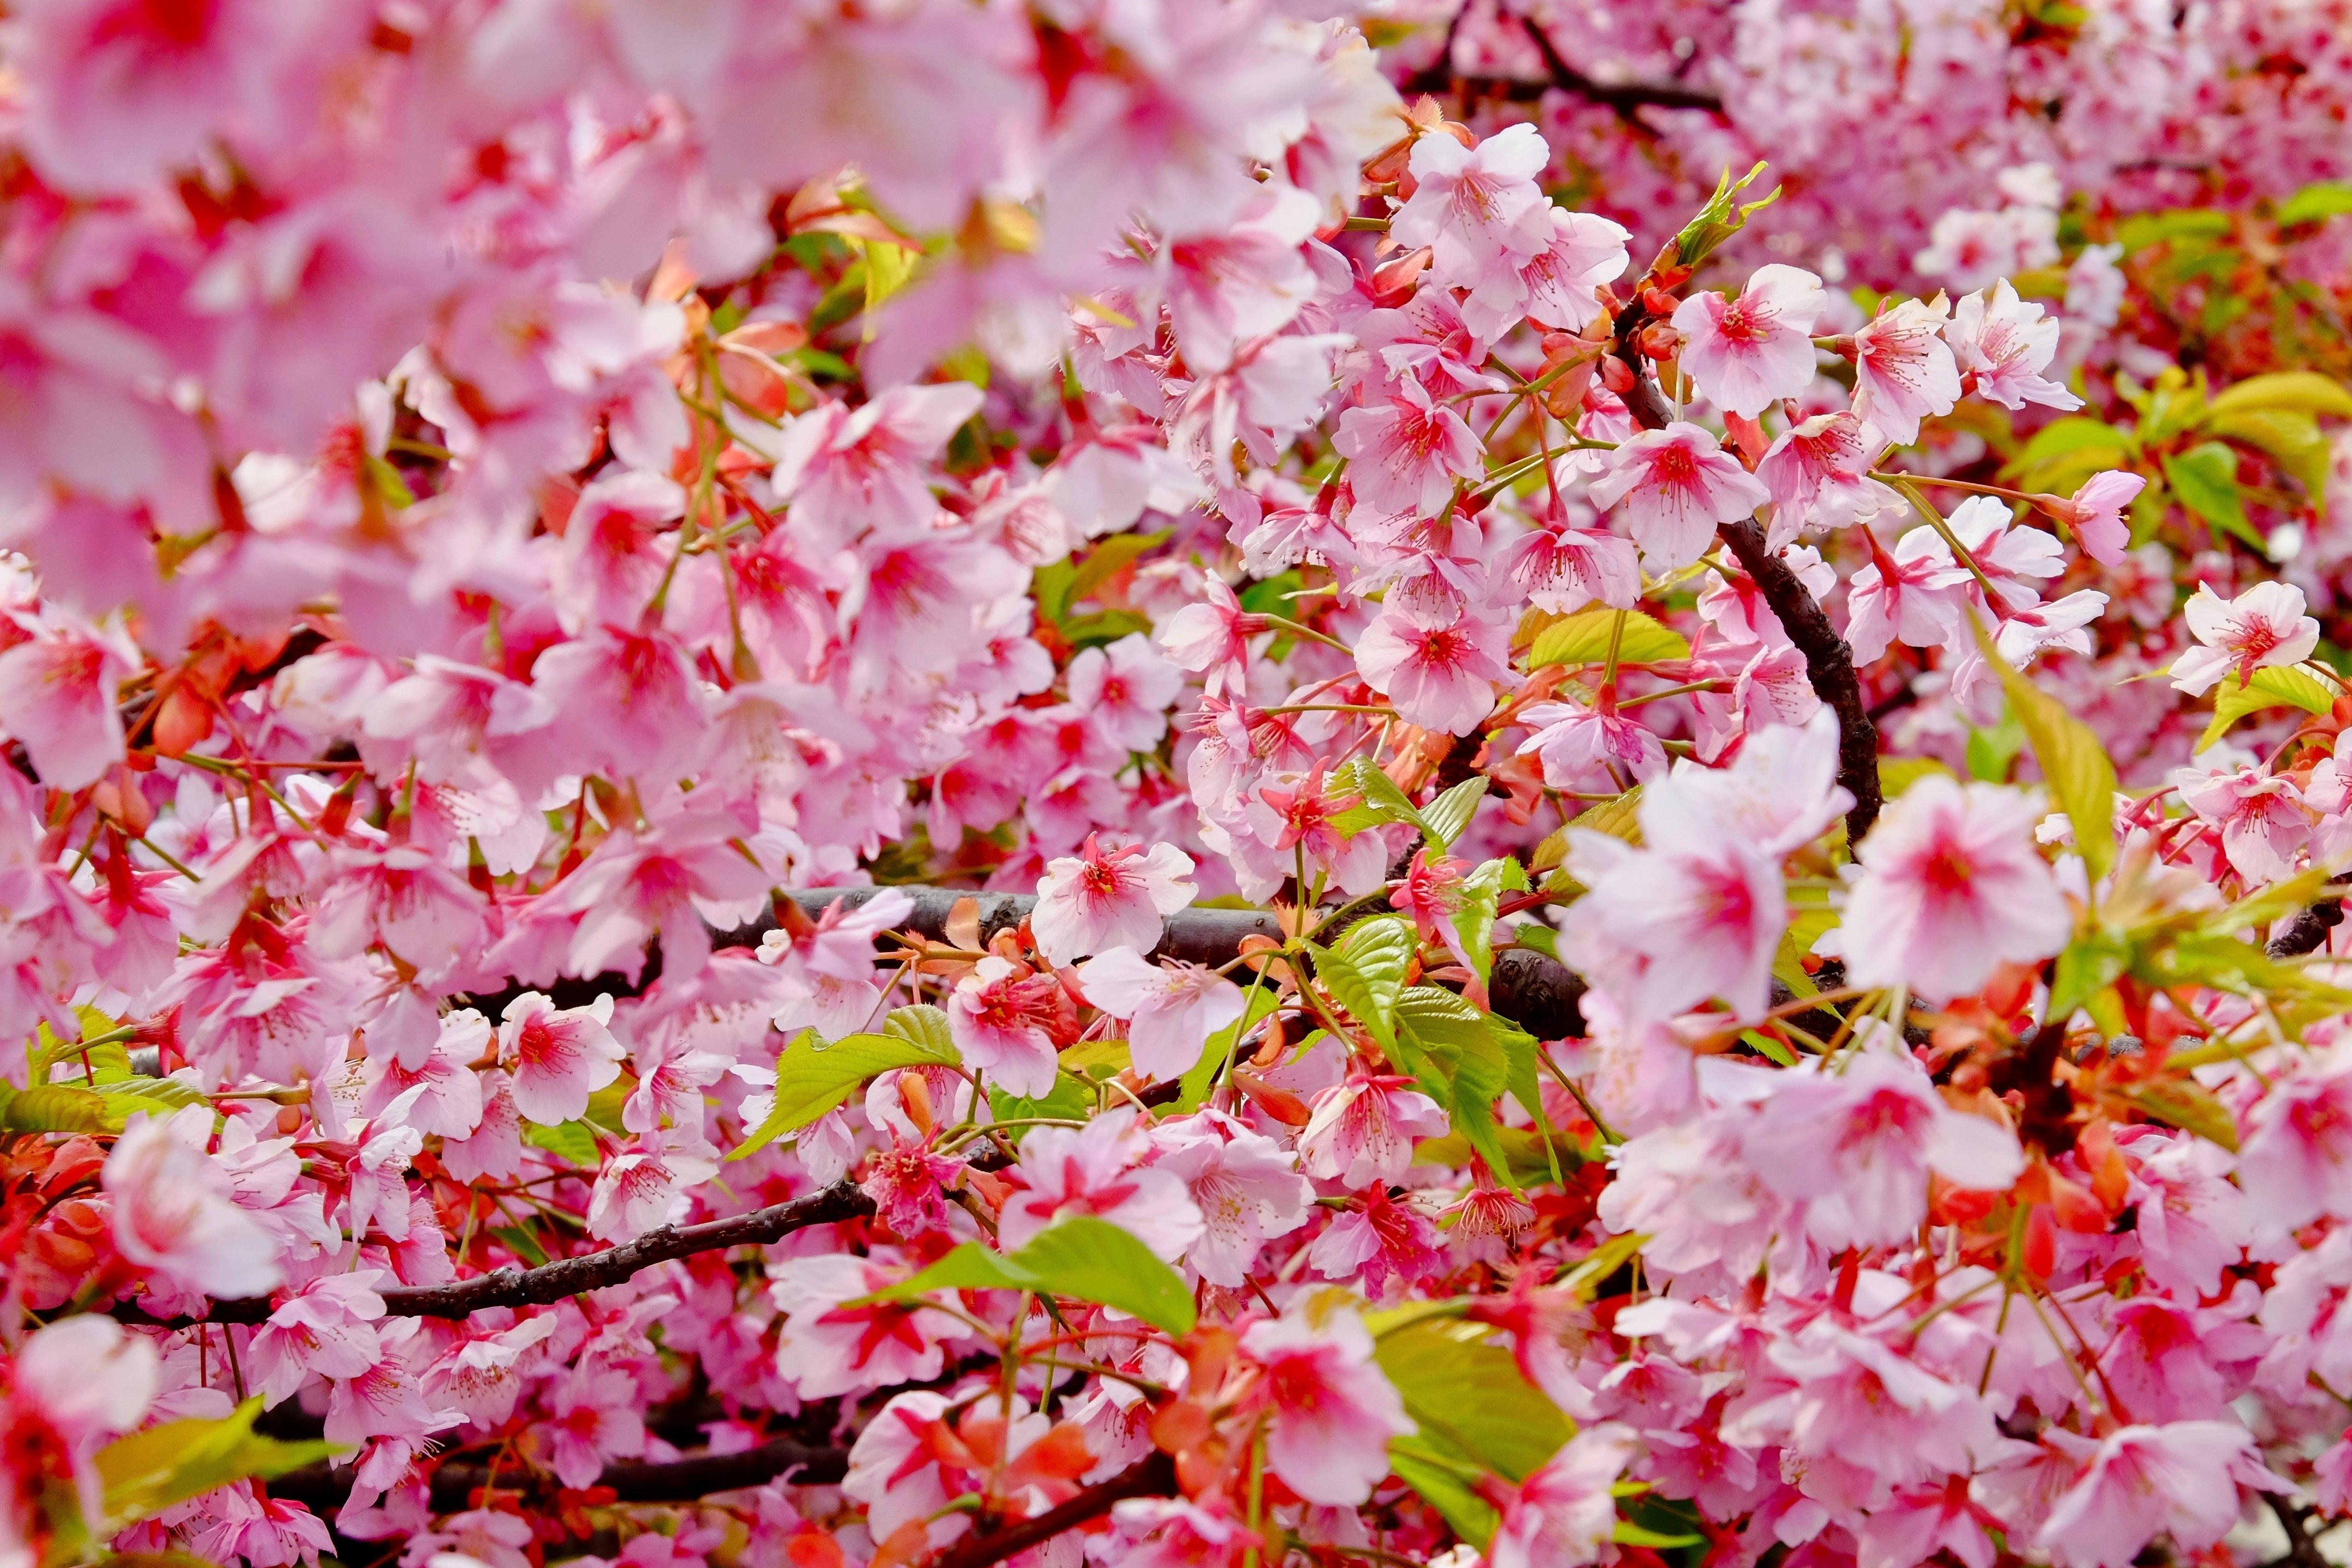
(1382, 1246)
(1440, 677)
(1170, 1533)
(1915, 596)
(592, 1419)
(2261, 629)
(1817, 475)
(829, 1347)
(2095, 514)
(440, 1093)
(57, 696)
(1857, 1146)
(327, 1327)
(1171, 1011)
(1556, 287)
(1676, 484)
(1952, 886)
(1750, 351)
(1564, 1515)
(661, 877)
(828, 972)
(1212, 638)
(2261, 816)
(1480, 207)
(1126, 688)
(2294, 1161)
(1407, 450)
(1245, 1186)
(2006, 344)
(845, 470)
(1903, 369)
(172, 1215)
(999, 1019)
(1562, 570)
(642, 1186)
(2180, 1480)
(1101, 899)
(1333, 1411)
(1590, 748)
(1363, 1130)
(559, 1055)
(1095, 1170)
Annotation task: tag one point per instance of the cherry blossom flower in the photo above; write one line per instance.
(1244, 1184)
(2261, 817)
(1092, 1170)
(1407, 451)
(1479, 209)
(1748, 351)
(1558, 286)
(1440, 677)
(999, 1019)
(1385, 1246)
(1590, 748)
(1817, 475)
(2096, 513)
(558, 1055)
(1564, 1514)
(1904, 370)
(845, 470)
(1565, 569)
(1212, 638)
(2261, 629)
(1914, 596)
(2294, 1161)
(1102, 898)
(2006, 344)
(327, 1328)
(1171, 1011)
(57, 696)
(2181, 1480)
(1363, 1129)
(829, 1347)
(1676, 484)
(638, 1189)
(1858, 1145)
(1952, 886)
(1333, 1411)
(172, 1214)
(1126, 688)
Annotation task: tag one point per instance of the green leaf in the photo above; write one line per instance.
(2290, 437)
(147, 1472)
(1628, 1534)
(1445, 818)
(54, 1108)
(2314, 202)
(1107, 559)
(1467, 1397)
(1366, 970)
(2080, 772)
(2205, 478)
(1719, 219)
(1443, 1487)
(574, 1140)
(2073, 433)
(1458, 1054)
(812, 1078)
(1583, 638)
(2190, 1106)
(2145, 229)
(1482, 893)
(2277, 686)
(2303, 391)
(1080, 1257)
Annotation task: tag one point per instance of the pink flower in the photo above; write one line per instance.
(1171, 1010)
(447, 1093)
(1170, 1533)
(2006, 344)
(828, 1347)
(2180, 1480)
(1555, 286)
(657, 879)
(328, 1327)
(1676, 483)
(1244, 1184)
(2261, 816)
(827, 972)
(1440, 677)
(1363, 1130)
(1480, 209)
(1333, 1411)
(1749, 351)
(1379, 1246)
(593, 1418)
(1909, 1530)
(1903, 369)
(998, 1020)
(559, 1055)
(616, 550)
(1109, 898)
(172, 1215)
(1590, 748)
(1212, 638)
(628, 703)
(640, 1187)
(1564, 1515)
(2095, 514)
(1858, 1145)
(1406, 451)
(57, 696)
(1914, 596)
(1095, 1170)
(2294, 1161)
(1126, 688)
(1952, 886)
(2262, 628)
(1817, 476)
(846, 470)
(1561, 570)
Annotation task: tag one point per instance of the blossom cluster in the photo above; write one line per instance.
(818, 787)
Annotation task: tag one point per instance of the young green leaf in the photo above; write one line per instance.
(812, 1078)
(1583, 638)
(149, 1471)
(2073, 760)
(1080, 1257)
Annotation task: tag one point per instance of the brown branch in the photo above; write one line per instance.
(1622, 97)
(2307, 932)
(322, 1489)
(1154, 1475)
